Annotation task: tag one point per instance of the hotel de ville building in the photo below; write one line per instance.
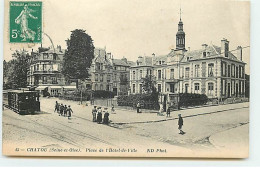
(212, 70)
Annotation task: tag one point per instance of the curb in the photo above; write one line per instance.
(188, 116)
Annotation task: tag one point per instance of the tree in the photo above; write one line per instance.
(21, 69)
(78, 56)
(16, 70)
(148, 84)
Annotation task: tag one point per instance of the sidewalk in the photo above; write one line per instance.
(235, 139)
(122, 116)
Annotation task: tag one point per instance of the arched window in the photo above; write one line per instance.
(96, 87)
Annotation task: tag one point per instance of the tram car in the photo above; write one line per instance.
(22, 102)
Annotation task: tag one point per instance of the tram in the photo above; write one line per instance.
(22, 102)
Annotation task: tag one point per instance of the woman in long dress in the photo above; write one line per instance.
(106, 117)
(22, 20)
(99, 115)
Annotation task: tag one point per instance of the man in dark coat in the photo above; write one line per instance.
(180, 123)
(56, 107)
(138, 106)
(61, 109)
(65, 111)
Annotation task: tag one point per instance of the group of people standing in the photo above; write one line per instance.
(63, 110)
(97, 115)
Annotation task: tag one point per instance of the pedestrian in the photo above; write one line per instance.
(99, 115)
(106, 117)
(65, 109)
(94, 113)
(56, 107)
(180, 123)
(61, 109)
(168, 112)
(138, 106)
(112, 108)
(69, 111)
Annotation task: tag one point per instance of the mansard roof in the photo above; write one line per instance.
(62, 51)
(122, 62)
(212, 51)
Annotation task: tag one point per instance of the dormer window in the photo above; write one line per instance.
(204, 54)
(160, 62)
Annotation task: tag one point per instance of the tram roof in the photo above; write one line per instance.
(21, 91)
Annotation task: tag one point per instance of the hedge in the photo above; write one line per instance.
(86, 95)
(147, 101)
(190, 99)
(103, 94)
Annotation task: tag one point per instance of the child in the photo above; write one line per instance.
(112, 109)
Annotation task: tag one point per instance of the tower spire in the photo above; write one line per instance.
(180, 35)
(180, 13)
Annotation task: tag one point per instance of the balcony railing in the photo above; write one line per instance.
(45, 72)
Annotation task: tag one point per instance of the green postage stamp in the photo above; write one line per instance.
(25, 22)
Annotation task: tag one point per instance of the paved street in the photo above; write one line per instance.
(209, 131)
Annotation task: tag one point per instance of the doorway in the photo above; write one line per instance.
(236, 90)
(228, 90)
(172, 88)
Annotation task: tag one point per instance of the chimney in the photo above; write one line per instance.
(139, 60)
(59, 48)
(224, 47)
(124, 59)
(153, 57)
(204, 46)
(109, 55)
(239, 53)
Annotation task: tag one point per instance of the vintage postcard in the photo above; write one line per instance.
(126, 78)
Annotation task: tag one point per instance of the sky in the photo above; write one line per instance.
(131, 28)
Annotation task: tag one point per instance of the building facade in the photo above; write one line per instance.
(212, 70)
(110, 74)
(45, 71)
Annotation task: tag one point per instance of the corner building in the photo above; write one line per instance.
(212, 70)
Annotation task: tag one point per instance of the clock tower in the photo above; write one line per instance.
(180, 36)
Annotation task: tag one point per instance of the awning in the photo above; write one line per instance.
(55, 87)
(70, 87)
(41, 87)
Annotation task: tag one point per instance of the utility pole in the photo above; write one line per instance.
(81, 88)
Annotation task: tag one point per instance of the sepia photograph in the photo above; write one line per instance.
(126, 78)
